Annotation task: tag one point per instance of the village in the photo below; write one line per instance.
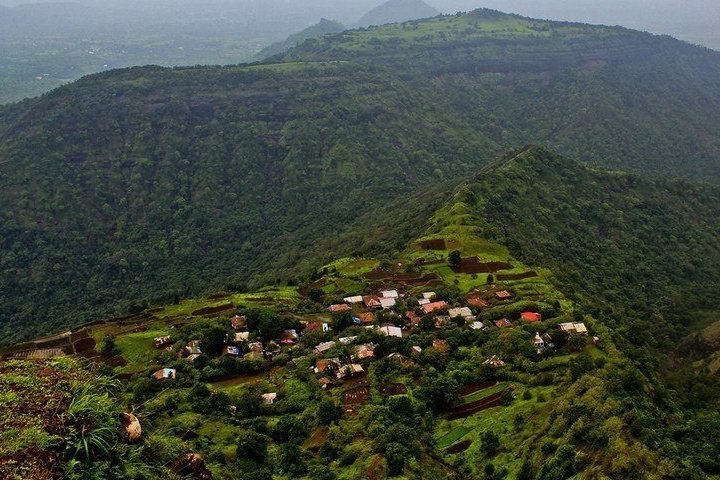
(344, 357)
(482, 334)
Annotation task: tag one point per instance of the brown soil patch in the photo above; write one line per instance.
(468, 409)
(84, 345)
(397, 277)
(435, 244)
(393, 389)
(472, 265)
(210, 310)
(476, 387)
(356, 395)
(516, 276)
(459, 447)
(79, 335)
(116, 361)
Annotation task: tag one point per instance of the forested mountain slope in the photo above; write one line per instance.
(149, 183)
(631, 245)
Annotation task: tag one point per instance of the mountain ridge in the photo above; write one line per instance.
(147, 183)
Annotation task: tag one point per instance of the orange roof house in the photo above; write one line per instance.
(366, 317)
(413, 317)
(238, 322)
(531, 316)
(475, 300)
(441, 345)
(503, 323)
(504, 295)
(431, 307)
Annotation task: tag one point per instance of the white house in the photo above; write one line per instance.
(354, 299)
(387, 302)
(391, 331)
(324, 347)
(464, 312)
(389, 294)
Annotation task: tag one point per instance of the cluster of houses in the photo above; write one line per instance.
(331, 369)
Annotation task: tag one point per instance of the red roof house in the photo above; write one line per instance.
(431, 307)
(371, 301)
(531, 316)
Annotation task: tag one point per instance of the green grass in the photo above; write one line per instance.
(452, 436)
(138, 349)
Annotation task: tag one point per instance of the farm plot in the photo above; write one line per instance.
(484, 393)
(472, 265)
(212, 310)
(468, 409)
(452, 436)
(354, 397)
(459, 447)
(475, 387)
(433, 244)
(393, 389)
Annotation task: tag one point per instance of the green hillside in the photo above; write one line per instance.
(445, 396)
(149, 184)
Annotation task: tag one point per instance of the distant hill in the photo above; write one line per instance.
(324, 27)
(396, 11)
(149, 184)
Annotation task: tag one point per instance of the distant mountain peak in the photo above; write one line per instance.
(396, 11)
(323, 27)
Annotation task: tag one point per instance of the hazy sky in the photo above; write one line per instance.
(697, 21)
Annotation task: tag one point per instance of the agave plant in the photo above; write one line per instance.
(93, 424)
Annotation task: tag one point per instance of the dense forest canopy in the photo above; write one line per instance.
(147, 184)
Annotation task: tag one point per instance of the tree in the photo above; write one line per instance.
(580, 365)
(108, 346)
(455, 258)
(252, 446)
(490, 442)
(397, 456)
(490, 279)
(341, 321)
(315, 295)
(440, 392)
(329, 412)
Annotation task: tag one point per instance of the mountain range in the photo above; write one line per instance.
(147, 184)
